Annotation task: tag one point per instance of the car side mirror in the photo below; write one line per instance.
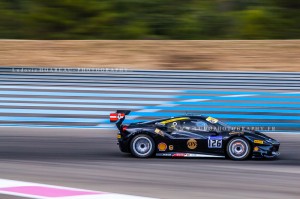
(160, 125)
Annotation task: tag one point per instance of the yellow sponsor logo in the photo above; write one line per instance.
(119, 136)
(256, 148)
(159, 132)
(192, 144)
(258, 141)
(212, 120)
(162, 146)
(174, 120)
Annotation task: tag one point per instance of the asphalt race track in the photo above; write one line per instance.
(90, 159)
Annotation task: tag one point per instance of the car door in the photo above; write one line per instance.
(185, 137)
(212, 138)
(196, 135)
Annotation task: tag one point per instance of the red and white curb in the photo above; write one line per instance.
(43, 191)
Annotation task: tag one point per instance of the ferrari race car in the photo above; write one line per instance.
(191, 136)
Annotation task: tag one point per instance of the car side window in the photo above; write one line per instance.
(173, 126)
(197, 125)
(194, 125)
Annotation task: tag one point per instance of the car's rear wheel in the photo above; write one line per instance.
(238, 148)
(142, 146)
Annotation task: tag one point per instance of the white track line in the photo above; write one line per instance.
(245, 95)
(43, 191)
(90, 89)
(290, 93)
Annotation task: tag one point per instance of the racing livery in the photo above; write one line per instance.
(191, 136)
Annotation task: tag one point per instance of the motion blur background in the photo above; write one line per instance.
(230, 34)
(150, 19)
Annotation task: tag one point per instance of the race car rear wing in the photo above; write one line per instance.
(118, 117)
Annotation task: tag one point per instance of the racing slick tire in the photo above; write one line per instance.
(238, 148)
(142, 146)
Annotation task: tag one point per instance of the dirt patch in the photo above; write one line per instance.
(243, 55)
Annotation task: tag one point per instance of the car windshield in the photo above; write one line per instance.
(214, 121)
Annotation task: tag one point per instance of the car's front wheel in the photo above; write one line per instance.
(238, 149)
(142, 146)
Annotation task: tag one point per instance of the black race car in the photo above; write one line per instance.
(191, 136)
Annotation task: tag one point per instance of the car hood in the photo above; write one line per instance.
(262, 136)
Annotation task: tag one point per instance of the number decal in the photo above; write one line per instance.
(215, 141)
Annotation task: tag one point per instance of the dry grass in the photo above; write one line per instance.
(248, 55)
